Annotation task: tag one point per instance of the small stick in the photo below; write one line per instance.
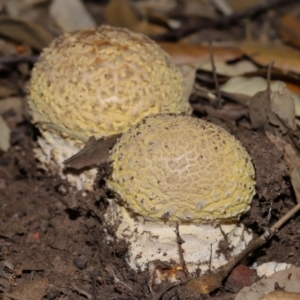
(218, 103)
(18, 59)
(180, 241)
(269, 80)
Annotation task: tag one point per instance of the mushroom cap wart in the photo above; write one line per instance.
(100, 81)
(178, 168)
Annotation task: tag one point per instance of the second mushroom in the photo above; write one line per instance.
(175, 171)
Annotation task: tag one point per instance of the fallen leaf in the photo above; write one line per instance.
(228, 111)
(295, 88)
(13, 109)
(238, 5)
(199, 8)
(5, 135)
(281, 295)
(286, 58)
(283, 105)
(258, 110)
(267, 269)
(288, 29)
(198, 55)
(287, 279)
(122, 13)
(94, 152)
(223, 6)
(206, 284)
(7, 88)
(25, 32)
(70, 15)
(157, 5)
(32, 290)
(189, 75)
(245, 88)
(292, 159)
(239, 68)
(291, 80)
(15, 8)
(159, 18)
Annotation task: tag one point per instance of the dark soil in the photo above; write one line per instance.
(46, 231)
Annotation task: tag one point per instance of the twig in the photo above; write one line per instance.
(18, 59)
(218, 103)
(220, 22)
(269, 80)
(180, 241)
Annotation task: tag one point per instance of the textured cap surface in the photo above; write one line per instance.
(101, 81)
(179, 168)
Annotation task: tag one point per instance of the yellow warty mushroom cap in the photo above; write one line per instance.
(101, 81)
(179, 168)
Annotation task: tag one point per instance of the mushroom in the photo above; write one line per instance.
(98, 82)
(175, 170)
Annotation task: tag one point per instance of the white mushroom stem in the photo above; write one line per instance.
(149, 241)
(53, 150)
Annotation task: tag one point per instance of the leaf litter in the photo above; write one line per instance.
(64, 232)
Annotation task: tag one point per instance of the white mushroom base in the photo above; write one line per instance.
(53, 150)
(150, 241)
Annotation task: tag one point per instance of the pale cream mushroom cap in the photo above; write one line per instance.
(178, 168)
(98, 82)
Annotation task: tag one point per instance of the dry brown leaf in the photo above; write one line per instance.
(159, 6)
(7, 88)
(70, 15)
(291, 80)
(95, 152)
(15, 8)
(223, 6)
(240, 5)
(120, 13)
(200, 8)
(281, 295)
(283, 105)
(286, 58)
(258, 110)
(189, 75)
(207, 283)
(197, 55)
(229, 111)
(5, 135)
(289, 29)
(25, 32)
(157, 18)
(32, 290)
(242, 89)
(13, 109)
(292, 159)
(274, 112)
(287, 279)
(239, 68)
(295, 88)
